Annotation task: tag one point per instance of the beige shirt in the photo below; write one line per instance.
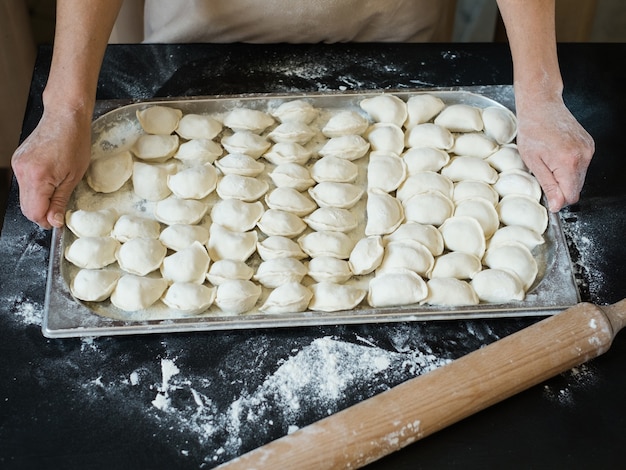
(295, 21)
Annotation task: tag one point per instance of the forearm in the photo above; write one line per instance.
(530, 30)
(82, 32)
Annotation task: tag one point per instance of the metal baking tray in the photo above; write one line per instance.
(64, 316)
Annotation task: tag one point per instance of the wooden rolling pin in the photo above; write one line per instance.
(421, 406)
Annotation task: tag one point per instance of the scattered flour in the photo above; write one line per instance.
(562, 390)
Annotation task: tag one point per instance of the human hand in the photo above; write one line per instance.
(50, 163)
(556, 149)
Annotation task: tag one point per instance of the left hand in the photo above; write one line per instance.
(556, 149)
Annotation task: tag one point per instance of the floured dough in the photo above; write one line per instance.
(278, 271)
(226, 244)
(290, 200)
(189, 297)
(345, 123)
(94, 285)
(134, 293)
(292, 175)
(240, 164)
(385, 108)
(366, 255)
(108, 173)
(244, 119)
(196, 182)
(420, 159)
(199, 151)
(497, 286)
(332, 297)
(237, 296)
(386, 137)
(406, 254)
(245, 188)
(159, 119)
(187, 265)
(88, 223)
(292, 132)
(422, 108)
(278, 222)
(427, 235)
(385, 171)
(334, 169)
(331, 218)
(384, 213)
(465, 234)
(295, 110)
(429, 135)
(150, 180)
(246, 142)
(350, 147)
(279, 247)
(292, 297)
(141, 256)
(456, 264)
(450, 292)
(287, 152)
(131, 226)
(341, 195)
(155, 148)
(428, 208)
(229, 270)
(174, 210)
(336, 244)
(460, 118)
(237, 215)
(92, 252)
(500, 124)
(327, 268)
(400, 287)
(198, 126)
(178, 237)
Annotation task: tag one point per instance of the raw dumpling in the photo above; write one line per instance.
(386, 138)
(226, 244)
(178, 237)
(150, 180)
(199, 151)
(237, 296)
(278, 271)
(507, 158)
(425, 159)
(470, 168)
(155, 148)
(384, 213)
(174, 210)
(86, 223)
(252, 120)
(516, 233)
(327, 268)
(292, 297)
(463, 234)
(500, 124)
(94, 285)
(424, 182)
(277, 222)
(287, 152)
(456, 264)
(341, 195)
(483, 211)
(159, 119)
(108, 173)
(290, 200)
(513, 257)
(246, 142)
(132, 226)
(228, 270)
(332, 219)
(345, 123)
(279, 247)
(189, 297)
(422, 108)
(524, 211)
(518, 182)
(198, 126)
(349, 147)
(236, 215)
(240, 164)
(427, 235)
(429, 135)
(187, 265)
(292, 175)
(460, 118)
(292, 132)
(385, 171)
(401, 287)
(335, 244)
(244, 188)
(429, 208)
(296, 110)
(450, 292)
(406, 255)
(333, 297)
(497, 286)
(386, 109)
(474, 144)
(134, 293)
(334, 169)
(468, 189)
(366, 255)
(196, 182)
(141, 256)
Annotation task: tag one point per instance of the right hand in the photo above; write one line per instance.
(50, 163)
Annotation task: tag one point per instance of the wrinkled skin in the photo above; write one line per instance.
(50, 163)
(556, 149)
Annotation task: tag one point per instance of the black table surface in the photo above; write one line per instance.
(194, 400)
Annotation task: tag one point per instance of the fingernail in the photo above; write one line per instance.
(58, 219)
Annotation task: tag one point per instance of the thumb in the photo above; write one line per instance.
(58, 203)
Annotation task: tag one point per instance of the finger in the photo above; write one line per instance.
(35, 202)
(550, 185)
(58, 203)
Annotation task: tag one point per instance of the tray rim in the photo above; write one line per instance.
(55, 324)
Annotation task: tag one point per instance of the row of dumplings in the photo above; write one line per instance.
(459, 194)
